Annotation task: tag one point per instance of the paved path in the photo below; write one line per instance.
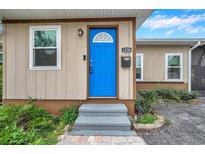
(102, 140)
(187, 125)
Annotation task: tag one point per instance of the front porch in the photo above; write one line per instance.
(104, 120)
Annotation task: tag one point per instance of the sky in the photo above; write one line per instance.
(174, 24)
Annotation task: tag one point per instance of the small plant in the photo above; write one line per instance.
(146, 118)
(69, 115)
(144, 101)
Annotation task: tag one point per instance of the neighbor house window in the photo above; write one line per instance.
(139, 66)
(174, 66)
(45, 47)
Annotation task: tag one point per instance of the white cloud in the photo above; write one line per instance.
(169, 32)
(193, 30)
(162, 21)
(176, 23)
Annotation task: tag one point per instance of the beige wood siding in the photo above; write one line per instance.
(71, 81)
(154, 60)
(125, 75)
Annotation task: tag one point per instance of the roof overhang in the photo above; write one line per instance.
(172, 41)
(32, 14)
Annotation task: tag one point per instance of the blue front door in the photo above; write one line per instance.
(102, 62)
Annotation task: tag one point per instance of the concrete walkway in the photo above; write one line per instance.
(187, 125)
(101, 140)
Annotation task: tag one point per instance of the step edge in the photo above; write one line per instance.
(102, 124)
(105, 110)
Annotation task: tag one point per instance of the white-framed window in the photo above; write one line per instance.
(45, 47)
(139, 66)
(174, 67)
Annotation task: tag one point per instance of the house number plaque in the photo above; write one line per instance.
(126, 50)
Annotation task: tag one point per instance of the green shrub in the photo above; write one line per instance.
(8, 114)
(1, 81)
(180, 96)
(168, 94)
(69, 115)
(187, 96)
(27, 124)
(146, 98)
(144, 101)
(36, 118)
(146, 118)
(13, 135)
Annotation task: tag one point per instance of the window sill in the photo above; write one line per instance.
(139, 80)
(44, 68)
(174, 81)
(167, 81)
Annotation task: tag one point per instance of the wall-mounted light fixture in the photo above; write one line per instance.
(80, 32)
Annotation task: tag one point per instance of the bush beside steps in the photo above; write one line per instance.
(29, 124)
(149, 126)
(147, 120)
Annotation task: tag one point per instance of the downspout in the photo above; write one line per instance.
(189, 72)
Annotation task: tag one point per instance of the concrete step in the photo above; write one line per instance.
(102, 110)
(102, 133)
(102, 123)
(102, 119)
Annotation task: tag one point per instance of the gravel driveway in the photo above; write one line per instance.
(187, 125)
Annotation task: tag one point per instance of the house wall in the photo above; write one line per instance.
(154, 66)
(69, 83)
(54, 106)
